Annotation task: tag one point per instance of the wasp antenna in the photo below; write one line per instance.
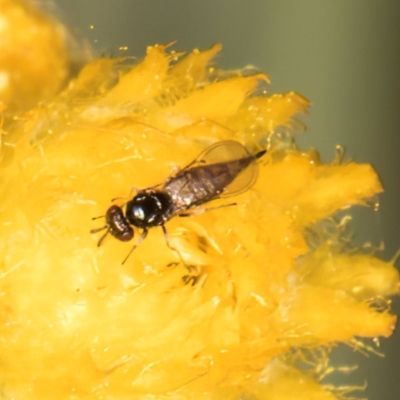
(101, 216)
(119, 198)
(98, 229)
(102, 238)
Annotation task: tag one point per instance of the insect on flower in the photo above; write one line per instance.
(222, 170)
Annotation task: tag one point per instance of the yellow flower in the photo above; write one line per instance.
(275, 281)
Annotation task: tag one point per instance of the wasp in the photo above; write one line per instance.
(224, 169)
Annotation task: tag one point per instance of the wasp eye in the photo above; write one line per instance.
(126, 236)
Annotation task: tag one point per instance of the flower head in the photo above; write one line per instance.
(272, 275)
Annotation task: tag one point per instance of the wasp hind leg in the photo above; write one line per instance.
(190, 279)
(194, 273)
(197, 211)
(174, 249)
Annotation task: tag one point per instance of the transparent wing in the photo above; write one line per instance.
(224, 169)
(239, 162)
(226, 150)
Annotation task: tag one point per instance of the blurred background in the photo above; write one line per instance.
(342, 55)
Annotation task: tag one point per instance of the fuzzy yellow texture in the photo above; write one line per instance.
(76, 324)
(27, 38)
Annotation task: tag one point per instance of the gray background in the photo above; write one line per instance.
(344, 55)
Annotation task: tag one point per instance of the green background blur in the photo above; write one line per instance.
(343, 55)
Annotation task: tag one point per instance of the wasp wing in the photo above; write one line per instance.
(224, 169)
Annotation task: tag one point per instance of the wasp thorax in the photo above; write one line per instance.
(149, 209)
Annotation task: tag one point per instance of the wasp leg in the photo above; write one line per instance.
(140, 240)
(197, 211)
(172, 264)
(177, 170)
(171, 247)
(194, 275)
(138, 190)
(190, 279)
(166, 237)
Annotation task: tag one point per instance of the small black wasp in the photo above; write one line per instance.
(224, 169)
